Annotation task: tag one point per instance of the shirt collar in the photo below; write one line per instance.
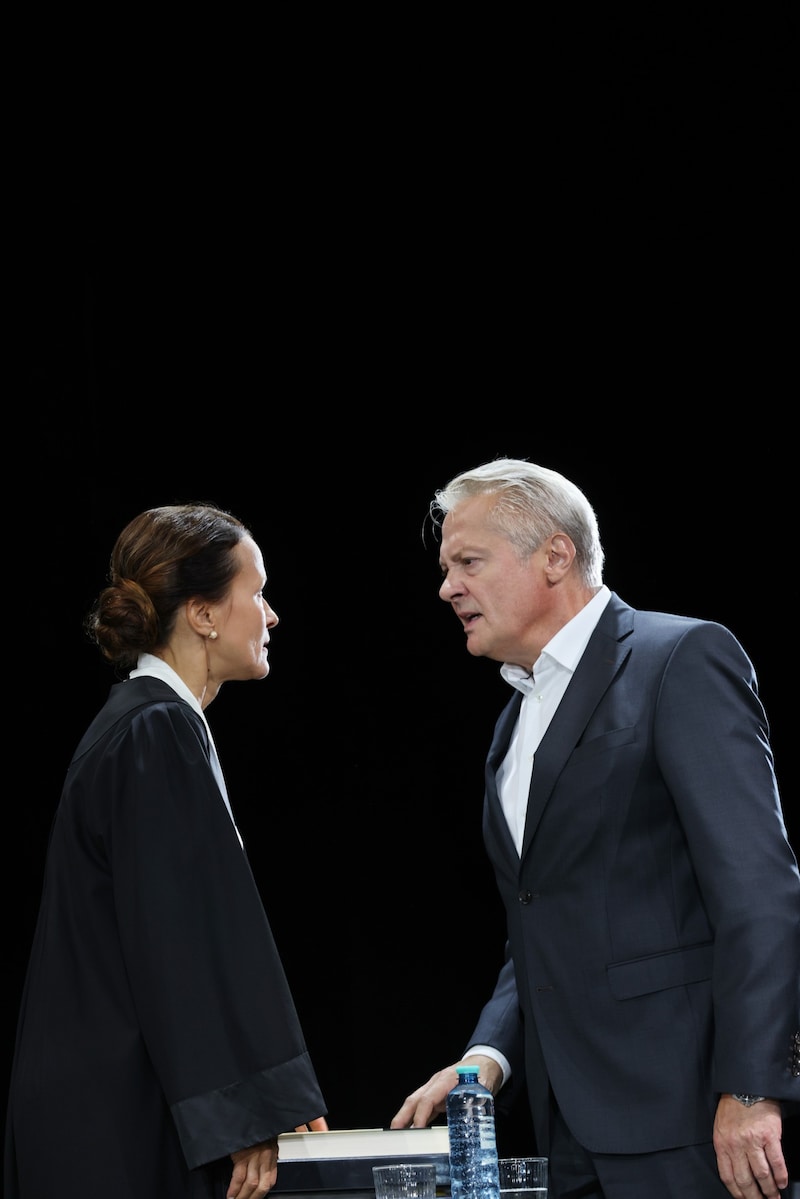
(159, 669)
(566, 647)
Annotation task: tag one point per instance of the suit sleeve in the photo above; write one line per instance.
(712, 745)
(500, 1025)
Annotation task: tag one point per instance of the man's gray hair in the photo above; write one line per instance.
(532, 504)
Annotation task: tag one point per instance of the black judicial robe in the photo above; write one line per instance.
(157, 1032)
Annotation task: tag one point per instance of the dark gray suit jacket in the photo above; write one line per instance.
(654, 915)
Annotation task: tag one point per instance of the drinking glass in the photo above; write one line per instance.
(523, 1177)
(409, 1180)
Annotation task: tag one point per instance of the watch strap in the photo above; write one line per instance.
(748, 1100)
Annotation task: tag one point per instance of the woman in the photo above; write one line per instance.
(159, 1052)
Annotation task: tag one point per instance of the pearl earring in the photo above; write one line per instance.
(212, 636)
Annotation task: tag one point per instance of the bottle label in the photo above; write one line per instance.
(487, 1137)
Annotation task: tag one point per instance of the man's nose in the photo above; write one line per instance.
(448, 589)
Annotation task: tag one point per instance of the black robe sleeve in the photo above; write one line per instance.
(156, 1006)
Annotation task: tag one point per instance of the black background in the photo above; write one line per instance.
(314, 302)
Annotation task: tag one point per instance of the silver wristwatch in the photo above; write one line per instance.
(748, 1100)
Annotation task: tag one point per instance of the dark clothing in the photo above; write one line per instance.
(157, 1032)
(688, 1172)
(654, 914)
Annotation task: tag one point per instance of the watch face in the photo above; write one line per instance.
(749, 1100)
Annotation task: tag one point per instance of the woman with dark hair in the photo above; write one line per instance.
(159, 1051)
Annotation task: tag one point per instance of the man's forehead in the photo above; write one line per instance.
(471, 512)
(466, 528)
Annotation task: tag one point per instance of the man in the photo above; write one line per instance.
(650, 995)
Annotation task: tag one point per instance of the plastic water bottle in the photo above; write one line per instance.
(471, 1134)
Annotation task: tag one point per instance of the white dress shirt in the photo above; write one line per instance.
(542, 692)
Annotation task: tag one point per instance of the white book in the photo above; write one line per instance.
(341, 1159)
(362, 1142)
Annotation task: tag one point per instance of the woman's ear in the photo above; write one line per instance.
(200, 618)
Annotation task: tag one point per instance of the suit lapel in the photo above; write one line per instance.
(497, 751)
(600, 663)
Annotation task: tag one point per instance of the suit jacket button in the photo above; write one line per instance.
(524, 896)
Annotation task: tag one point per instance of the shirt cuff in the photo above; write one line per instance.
(495, 1055)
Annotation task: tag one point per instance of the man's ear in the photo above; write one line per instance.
(560, 555)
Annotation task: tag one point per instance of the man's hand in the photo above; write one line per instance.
(747, 1141)
(430, 1100)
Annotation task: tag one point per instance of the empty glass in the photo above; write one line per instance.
(410, 1180)
(523, 1177)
